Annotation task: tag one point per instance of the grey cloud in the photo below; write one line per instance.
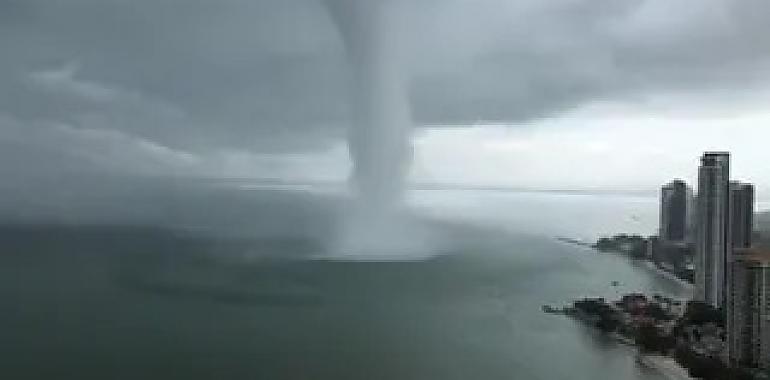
(271, 75)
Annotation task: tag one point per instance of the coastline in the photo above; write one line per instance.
(665, 365)
(649, 264)
(668, 275)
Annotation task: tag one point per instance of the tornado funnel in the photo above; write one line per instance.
(378, 136)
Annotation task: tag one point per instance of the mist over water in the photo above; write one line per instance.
(384, 234)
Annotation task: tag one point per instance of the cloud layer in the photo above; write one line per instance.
(182, 88)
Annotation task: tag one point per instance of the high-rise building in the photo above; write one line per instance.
(675, 198)
(713, 238)
(748, 308)
(741, 214)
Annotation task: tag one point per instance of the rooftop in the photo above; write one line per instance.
(758, 254)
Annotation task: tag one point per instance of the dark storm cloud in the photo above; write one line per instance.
(562, 54)
(271, 75)
(229, 69)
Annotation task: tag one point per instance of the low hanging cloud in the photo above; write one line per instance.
(211, 79)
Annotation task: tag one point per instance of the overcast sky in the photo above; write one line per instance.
(557, 94)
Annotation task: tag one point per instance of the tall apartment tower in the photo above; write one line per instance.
(713, 238)
(748, 309)
(675, 198)
(741, 214)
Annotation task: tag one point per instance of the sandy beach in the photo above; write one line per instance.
(686, 285)
(666, 366)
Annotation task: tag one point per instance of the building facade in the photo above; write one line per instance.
(713, 237)
(741, 214)
(675, 198)
(748, 309)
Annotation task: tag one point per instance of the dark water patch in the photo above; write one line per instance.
(157, 304)
(241, 297)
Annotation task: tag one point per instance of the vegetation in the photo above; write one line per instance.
(604, 317)
(655, 311)
(651, 339)
(699, 313)
(633, 245)
(646, 321)
(708, 368)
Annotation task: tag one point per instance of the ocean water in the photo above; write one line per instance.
(239, 291)
(583, 216)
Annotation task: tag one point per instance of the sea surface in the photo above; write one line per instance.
(242, 286)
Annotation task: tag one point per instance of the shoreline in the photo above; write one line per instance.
(649, 264)
(664, 365)
(670, 276)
